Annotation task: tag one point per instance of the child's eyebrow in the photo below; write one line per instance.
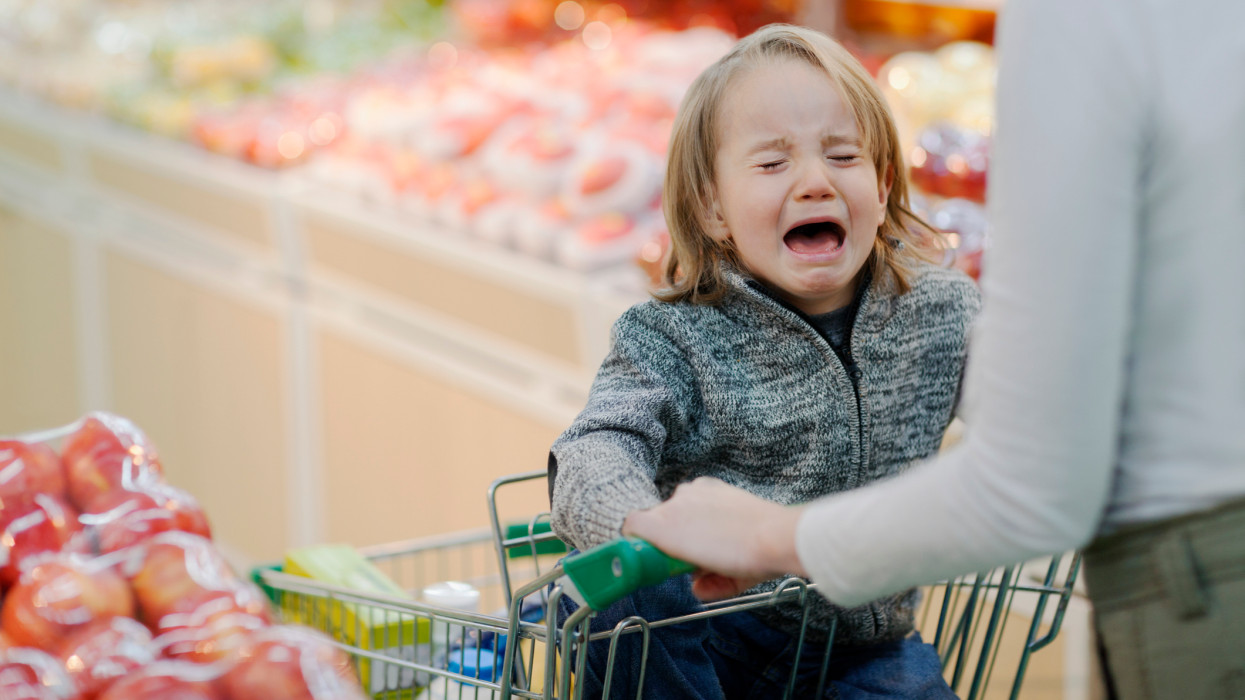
(840, 140)
(782, 143)
(779, 144)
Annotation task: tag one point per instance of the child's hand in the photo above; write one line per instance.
(737, 539)
(709, 586)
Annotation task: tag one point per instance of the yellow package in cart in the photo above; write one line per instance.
(402, 635)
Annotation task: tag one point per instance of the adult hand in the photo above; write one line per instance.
(737, 539)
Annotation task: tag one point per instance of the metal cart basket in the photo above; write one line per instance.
(402, 645)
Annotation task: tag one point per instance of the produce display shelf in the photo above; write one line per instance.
(501, 323)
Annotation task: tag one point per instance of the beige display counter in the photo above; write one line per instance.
(229, 211)
(29, 146)
(38, 369)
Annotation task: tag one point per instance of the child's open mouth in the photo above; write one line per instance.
(815, 238)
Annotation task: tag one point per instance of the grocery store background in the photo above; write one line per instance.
(348, 262)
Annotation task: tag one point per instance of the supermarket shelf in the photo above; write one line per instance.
(126, 167)
(284, 225)
(523, 303)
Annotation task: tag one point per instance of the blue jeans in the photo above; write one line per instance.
(737, 656)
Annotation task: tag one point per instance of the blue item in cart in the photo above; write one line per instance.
(474, 662)
(532, 610)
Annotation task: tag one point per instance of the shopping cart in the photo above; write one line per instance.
(519, 650)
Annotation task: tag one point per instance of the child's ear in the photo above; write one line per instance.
(884, 192)
(715, 221)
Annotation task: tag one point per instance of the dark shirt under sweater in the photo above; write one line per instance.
(836, 326)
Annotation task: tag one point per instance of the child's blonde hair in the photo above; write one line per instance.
(693, 271)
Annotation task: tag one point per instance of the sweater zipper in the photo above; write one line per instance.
(854, 374)
(848, 363)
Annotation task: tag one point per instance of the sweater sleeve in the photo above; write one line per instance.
(607, 460)
(1048, 357)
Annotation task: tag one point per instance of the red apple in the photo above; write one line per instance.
(105, 650)
(200, 608)
(292, 663)
(59, 595)
(31, 674)
(218, 637)
(217, 628)
(31, 524)
(951, 161)
(29, 468)
(177, 572)
(122, 518)
(105, 453)
(168, 680)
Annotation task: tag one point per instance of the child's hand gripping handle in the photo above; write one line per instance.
(613, 570)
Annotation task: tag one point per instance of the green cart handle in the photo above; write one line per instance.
(614, 570)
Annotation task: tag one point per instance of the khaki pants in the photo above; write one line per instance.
(1169, 605)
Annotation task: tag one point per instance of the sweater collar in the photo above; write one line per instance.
(873, 298)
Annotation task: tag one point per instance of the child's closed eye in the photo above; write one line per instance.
(772, 165)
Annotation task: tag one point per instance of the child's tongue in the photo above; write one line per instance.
(813, 239)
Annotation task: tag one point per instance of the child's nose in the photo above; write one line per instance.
(814, 182)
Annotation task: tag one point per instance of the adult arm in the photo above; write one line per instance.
(1047, 371)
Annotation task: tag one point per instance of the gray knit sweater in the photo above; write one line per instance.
(747, 391)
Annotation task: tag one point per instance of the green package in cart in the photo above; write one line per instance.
(358, 624)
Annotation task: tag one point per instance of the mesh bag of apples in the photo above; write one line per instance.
(113, 590)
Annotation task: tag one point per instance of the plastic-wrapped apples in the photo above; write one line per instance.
(967, 231)
(32, 524)
(60, 594)
(104, 650)
(118, 593)
(943, 107)
(557, 152)
(32, 674)
(294, 663)
(30, 468)
(951, 161)
(106, 453)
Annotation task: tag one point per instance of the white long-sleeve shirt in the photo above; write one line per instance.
(1106, 378)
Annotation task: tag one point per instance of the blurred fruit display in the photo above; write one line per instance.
(513, 22)
(127, 597)
(535, 125)
(922, 22)
(943, 102)
(157, 63)
(556, 152)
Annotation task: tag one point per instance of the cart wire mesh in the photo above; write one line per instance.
(517, 647)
